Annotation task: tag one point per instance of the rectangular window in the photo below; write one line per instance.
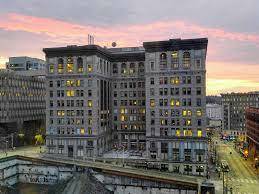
(152, 102)
(70, 93)
(60, 68)
(90, 103)
(89, 68)
(152, 65)
(51, 68)
(70, 67)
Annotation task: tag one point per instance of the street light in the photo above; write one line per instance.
(6, 141)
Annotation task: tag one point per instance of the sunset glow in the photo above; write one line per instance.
(229, 67)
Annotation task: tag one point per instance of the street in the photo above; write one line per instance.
(242, 177)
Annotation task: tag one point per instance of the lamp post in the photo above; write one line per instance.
(6, 141)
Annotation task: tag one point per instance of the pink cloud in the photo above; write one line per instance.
(129, 35)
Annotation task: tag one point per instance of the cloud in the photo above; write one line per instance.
(217, 86)
(65, 32)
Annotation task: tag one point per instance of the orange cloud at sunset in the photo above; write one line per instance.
(223, 75)
(65, 32)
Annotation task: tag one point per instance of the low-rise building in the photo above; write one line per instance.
(25, 63)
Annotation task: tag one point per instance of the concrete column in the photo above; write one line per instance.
(181, 151)
(148, 149)
(128, 141)
(193, 151)
(170, 150)
(159, 150)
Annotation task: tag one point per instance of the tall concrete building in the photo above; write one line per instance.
(148, 98)
(22, 104)
(233, 106)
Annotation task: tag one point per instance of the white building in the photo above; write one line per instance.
(214, 111)
(25, 63)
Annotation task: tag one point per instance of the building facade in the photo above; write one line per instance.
(149, 99)
(214, 111)
(233, 107)
(22, 103)
(252, 127)
(25, 64)
(175, 103)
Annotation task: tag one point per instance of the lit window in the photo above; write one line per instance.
(199, 113)
(188, 122)
(152, 102)
(175, 54)
(186, 60)
(80, 65)
(90, 103)
(172, 102)
(199, 132)
(90, 131)
(177, 102)
(184, 112)
(123, 68)
(177, 80)
(175, 64)
(51, 68)
(82, 131)
(70, 93)
(78, 83)
(123, 118)
(189, 113)
(123, 111)
(90, 68)
(178, 132)
(70, 65)
(187, 132)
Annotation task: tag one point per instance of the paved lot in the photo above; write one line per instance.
(30, 151)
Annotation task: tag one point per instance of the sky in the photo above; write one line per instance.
(232, 27)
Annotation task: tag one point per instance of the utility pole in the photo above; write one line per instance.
(123, 157)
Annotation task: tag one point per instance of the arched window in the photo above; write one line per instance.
(132, 68)
(70, 65)
(174, 60)
(80, 67)
(123, 68)
(115, 68)
(141, 68)
(163, 56)
(163, 61)
(186, 60)
(60, 65)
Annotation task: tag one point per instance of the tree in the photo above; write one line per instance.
(39, 139)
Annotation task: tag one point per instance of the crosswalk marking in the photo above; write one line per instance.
(253, 181)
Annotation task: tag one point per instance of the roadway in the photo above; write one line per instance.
(243, 178)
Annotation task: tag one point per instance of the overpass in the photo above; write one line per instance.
(179, 181)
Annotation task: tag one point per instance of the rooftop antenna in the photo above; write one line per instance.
(90, 39)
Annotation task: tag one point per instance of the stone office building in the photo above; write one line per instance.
(148, 98)
(175, 74)
(234, 105)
